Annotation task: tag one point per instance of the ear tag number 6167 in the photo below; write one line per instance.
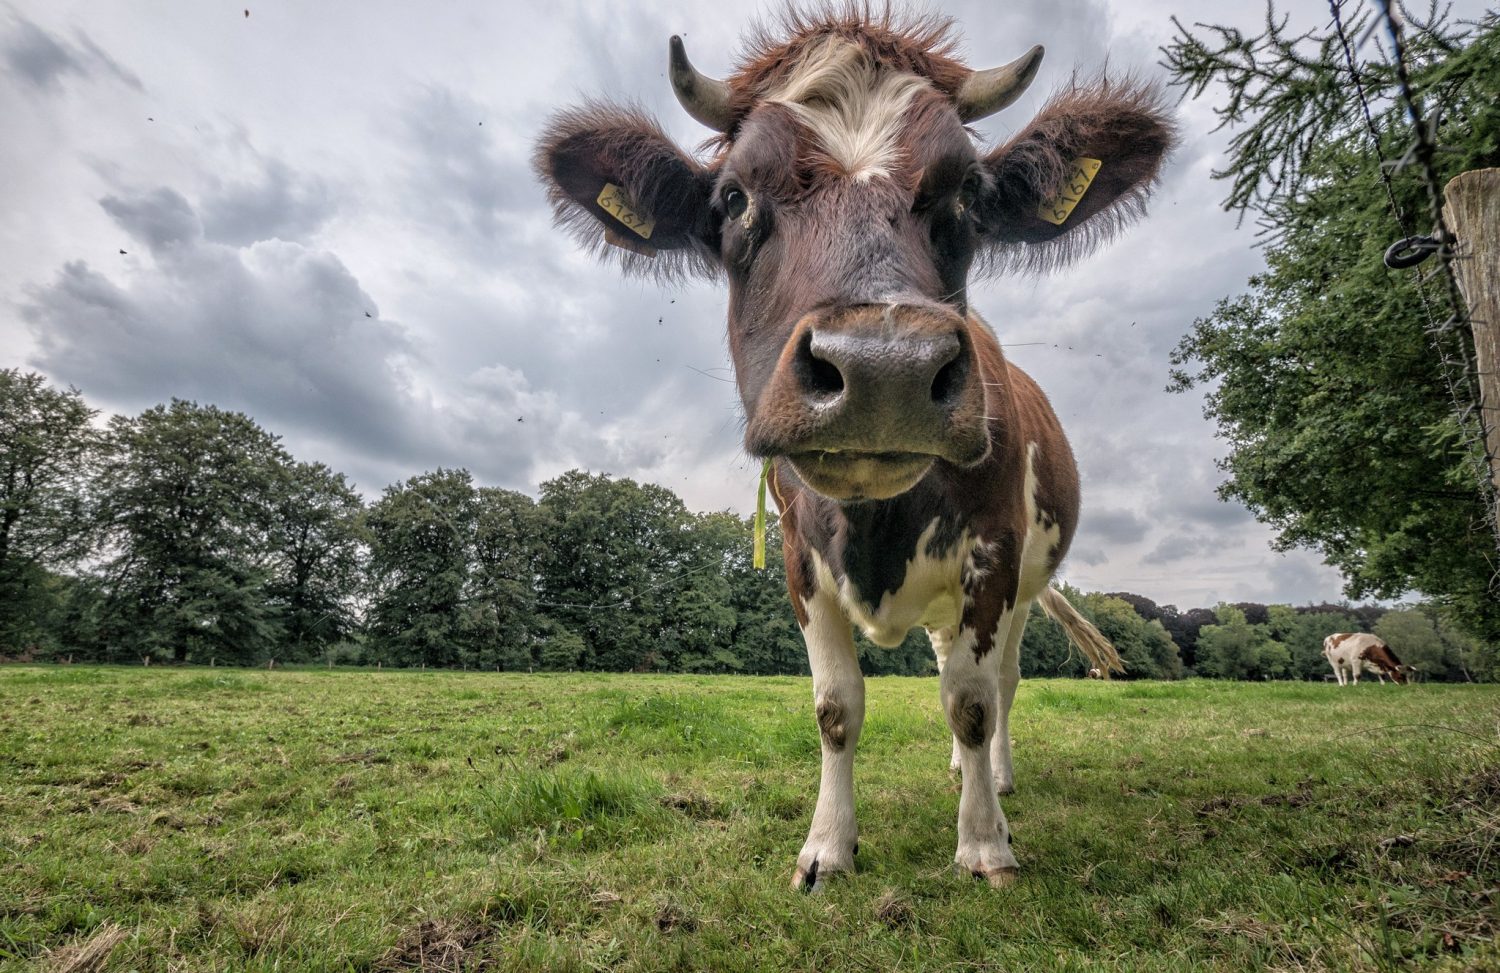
(612, 200)
(1057, 209)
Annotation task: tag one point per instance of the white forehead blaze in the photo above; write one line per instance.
(855, 111)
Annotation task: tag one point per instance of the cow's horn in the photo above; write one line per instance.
(705, 98)
(986, 92)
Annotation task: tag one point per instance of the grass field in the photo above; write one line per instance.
(238, 820)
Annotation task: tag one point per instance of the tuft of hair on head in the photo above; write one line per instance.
(894, 36)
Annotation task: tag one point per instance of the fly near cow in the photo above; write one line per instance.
(922, 479)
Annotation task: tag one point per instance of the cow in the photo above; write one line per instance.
(922, 479)
(1349, 652)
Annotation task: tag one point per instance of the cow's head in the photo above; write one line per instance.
(846, 202)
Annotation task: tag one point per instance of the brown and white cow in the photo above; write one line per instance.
(1349, 652)
(922, 479)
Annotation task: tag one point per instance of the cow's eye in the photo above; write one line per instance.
(735, 202)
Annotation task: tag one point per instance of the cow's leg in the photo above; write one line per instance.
(971, 689)
(839, 700)
(1010, 678)
(942, 644)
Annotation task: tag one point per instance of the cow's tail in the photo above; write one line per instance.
(1095, 647)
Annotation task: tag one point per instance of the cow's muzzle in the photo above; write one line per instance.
(865, 398)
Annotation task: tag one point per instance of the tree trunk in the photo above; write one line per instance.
(1472, 211)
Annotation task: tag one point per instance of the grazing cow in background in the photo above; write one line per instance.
(922, 478)
(1353, 651)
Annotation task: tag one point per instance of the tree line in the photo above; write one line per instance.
(188, 534)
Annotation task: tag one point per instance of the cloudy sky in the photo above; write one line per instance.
(323, 215)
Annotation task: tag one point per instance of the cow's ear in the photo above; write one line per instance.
(1077, 174)
(615, 178)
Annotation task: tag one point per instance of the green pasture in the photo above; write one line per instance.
(215, 819)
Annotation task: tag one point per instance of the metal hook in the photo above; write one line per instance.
(1410, 251)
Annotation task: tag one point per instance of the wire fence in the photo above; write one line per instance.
(1452, 338)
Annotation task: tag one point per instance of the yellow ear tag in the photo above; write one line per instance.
(613, 201)
(758, 556)
(1057, 209)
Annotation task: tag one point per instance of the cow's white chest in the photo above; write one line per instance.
(931, 593)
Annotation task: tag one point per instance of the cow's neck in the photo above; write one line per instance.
(873, 543)
(893, 558)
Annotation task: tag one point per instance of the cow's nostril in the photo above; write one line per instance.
(820, 376)
(824, 377)
(948, 383)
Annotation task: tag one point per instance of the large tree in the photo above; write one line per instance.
(48, 449)
(507, 543)
(187, 503)
(1235, 649)
(1302, 634)
(421, 536)
(1144, 646)
(616, 560)
(1322, 378)
(766, 636)
(315, 568)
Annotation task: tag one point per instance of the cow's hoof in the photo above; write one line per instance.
(1005, 787)
(812, 879)
(814, 869)
(1001, 877)
(990, 860)
(997, 878)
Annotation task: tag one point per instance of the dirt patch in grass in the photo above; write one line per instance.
(436, 945)
(88, 955)
(261, 932)
(695, 806)
(1483, 787)
(371, 756)
(110, 804)
(893, 910)
(136, 845)
(1225, 803)
(671, 917)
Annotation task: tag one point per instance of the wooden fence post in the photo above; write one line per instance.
(1472, 212)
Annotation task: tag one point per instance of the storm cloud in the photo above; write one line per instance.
(45, 60)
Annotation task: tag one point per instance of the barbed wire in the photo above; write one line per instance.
(1336, 7)
(1452, 339)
